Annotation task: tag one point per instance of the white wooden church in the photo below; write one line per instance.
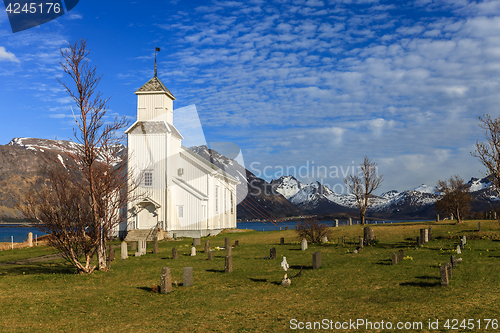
(183, 194)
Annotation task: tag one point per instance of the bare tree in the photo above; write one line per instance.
(455, 197)
(80, 207)
(363, 183)
(58, 209)
(96, 155)
(489, 152)
(312, 230)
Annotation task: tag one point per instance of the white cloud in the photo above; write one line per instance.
(7, 56)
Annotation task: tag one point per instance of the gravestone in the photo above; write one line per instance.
(422, 236)
(228, 267)
(143, 245)
(111, 254)
(465, 239)
(174, 253)
(124, 251)
(207, 246)
(450, 270)
(282, 241)
(155, 246)
(372, 238)
(361, 242)
(494, 215)
(30, 239)
(210, 255)
(401, 255)
(443, 270)
(336, 223)
(451, 217)
(324, 239)
(437, 217)
(196, 241)
(367, 234)
(462, 243)
(430, 234)
(426, 235)
(226, 242)
(193, 251)
(166, 280)
(236, 243)
(229, 250)
(316, 260)
(478, 226)
(418, 240)
(303, 244)
(458, 250)
(187, 277)
(453, 262)
(394, 259)
(134, 246)
(272, 253)
(350, 221)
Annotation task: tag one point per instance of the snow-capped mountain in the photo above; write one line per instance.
(418, 202)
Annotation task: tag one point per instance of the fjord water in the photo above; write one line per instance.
(20, 233)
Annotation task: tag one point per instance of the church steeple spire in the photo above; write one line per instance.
(157, 49)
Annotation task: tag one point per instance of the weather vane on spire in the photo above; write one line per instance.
(157, 49)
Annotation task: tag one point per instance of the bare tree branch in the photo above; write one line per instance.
(362, 184)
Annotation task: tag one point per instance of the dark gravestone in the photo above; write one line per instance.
(430, 234)
(367, 235)
(228, 267)
(236, 243)
(282, 241)
(272, 253)
(316, 260)
(166, 280)
(422, 236)
(418, 241)
(155, 246)
(437, 217)
(134, 246)
(450, 270)
(443, 270)
(210, 255)
(207, 246)
(453, 262)
(187, 277)
(478, 226)
(196, 241)
(226, 242)
(401, 255)
(111, 254)
(394, 259)
(174, 253)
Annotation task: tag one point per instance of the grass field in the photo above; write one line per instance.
(48, 296)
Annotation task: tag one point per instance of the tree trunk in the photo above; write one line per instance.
(362, 216)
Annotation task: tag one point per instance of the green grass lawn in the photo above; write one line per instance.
(48, 296)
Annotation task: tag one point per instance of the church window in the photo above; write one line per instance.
(148, 178)
(216, 198)
(232, 203)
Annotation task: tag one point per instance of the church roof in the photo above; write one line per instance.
(155, 85)
(148, 127)
(153, 127)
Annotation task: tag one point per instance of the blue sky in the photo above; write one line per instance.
(314, 83)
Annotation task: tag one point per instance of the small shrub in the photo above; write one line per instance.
(311, 230)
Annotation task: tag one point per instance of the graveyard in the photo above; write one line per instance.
(392, 280)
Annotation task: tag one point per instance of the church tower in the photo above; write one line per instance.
(155, 102)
